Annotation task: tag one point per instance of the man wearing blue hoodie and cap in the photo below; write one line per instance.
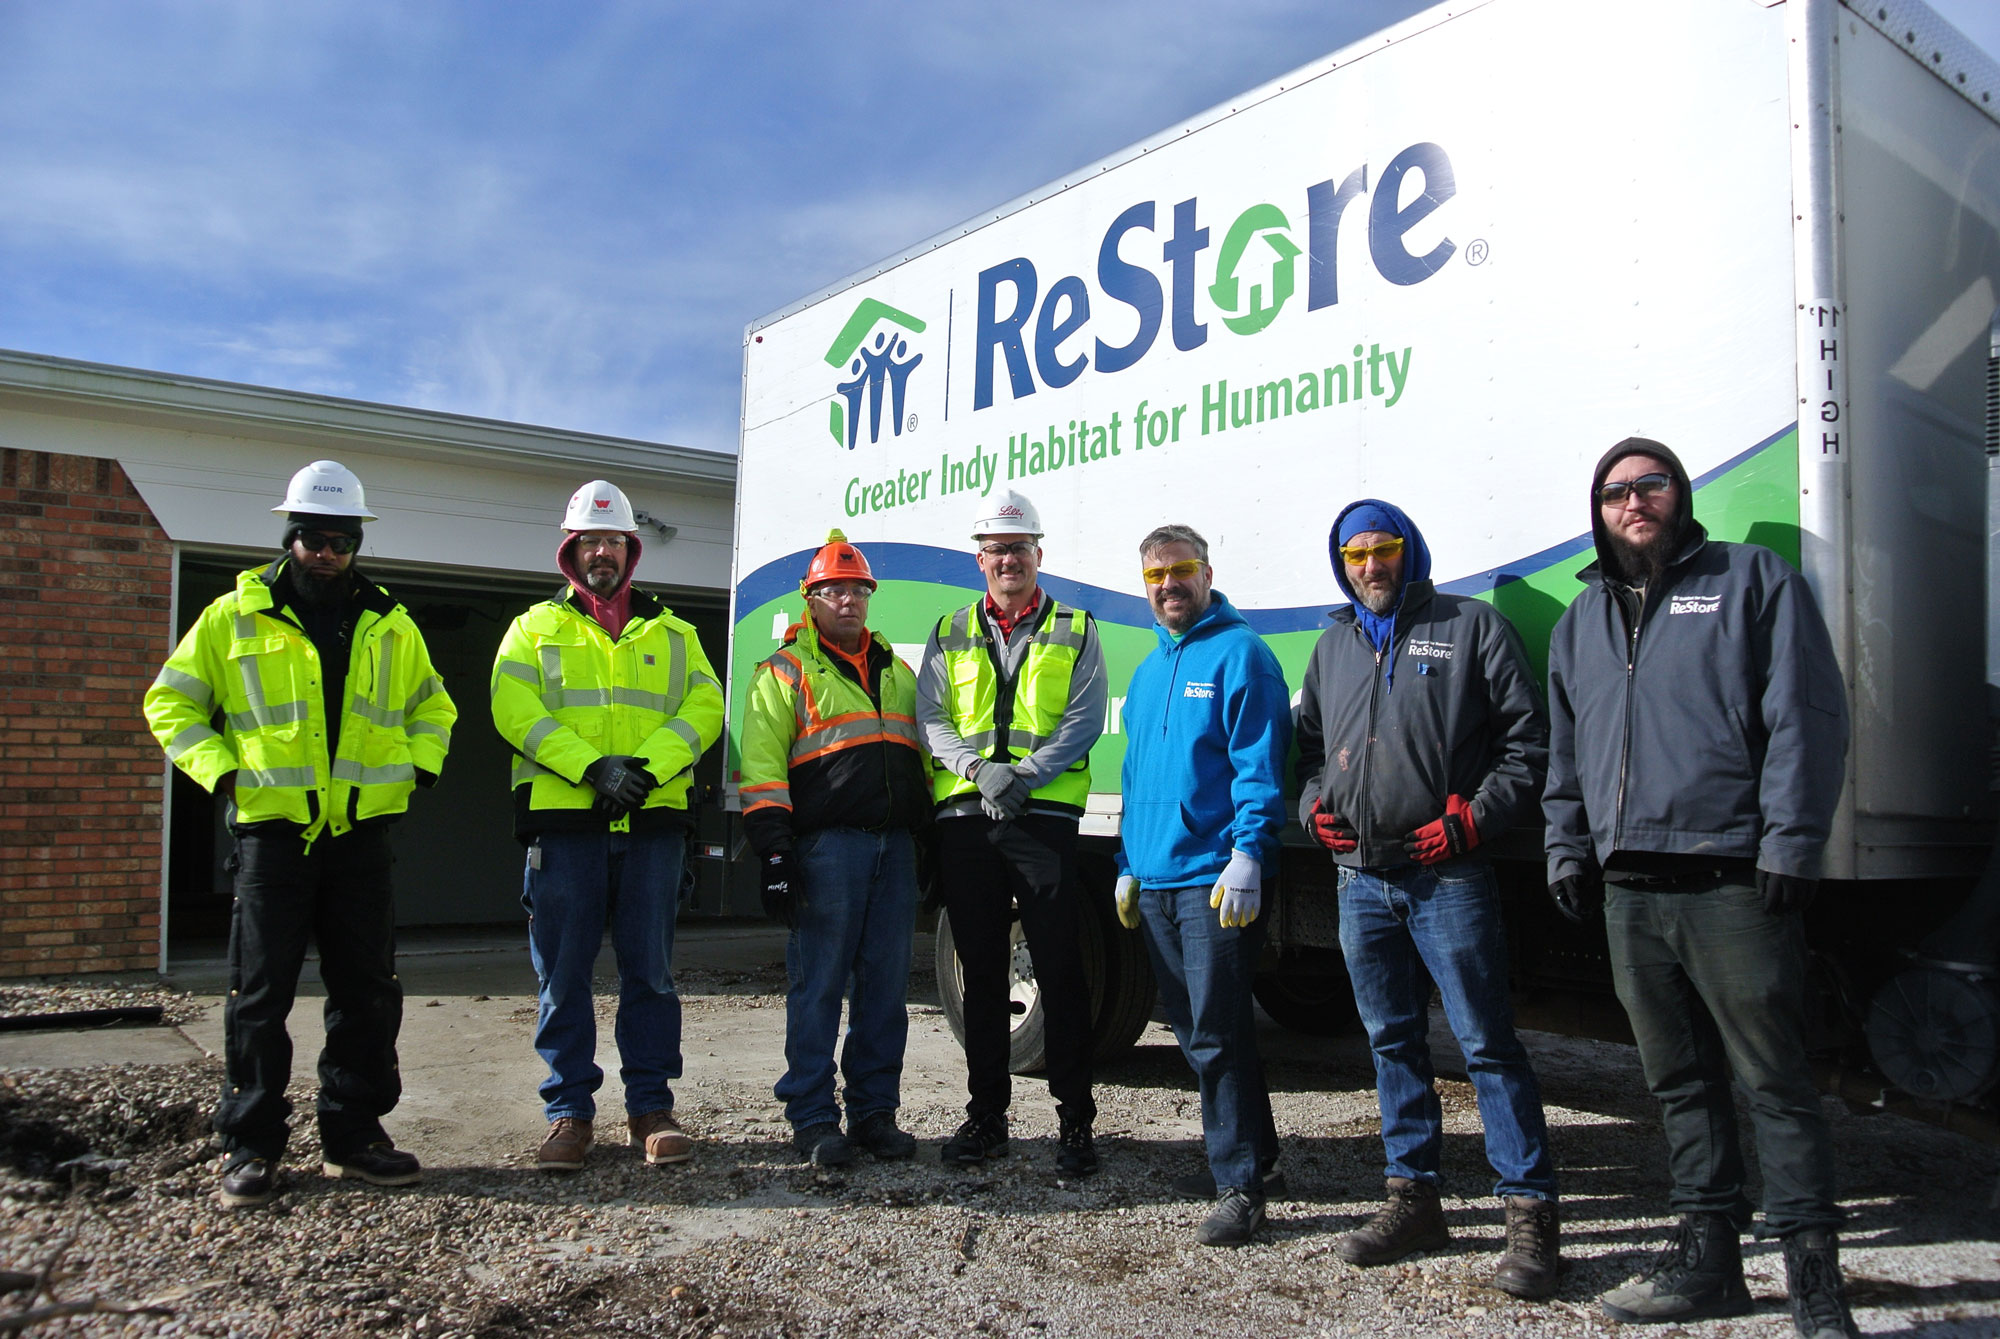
(1420, 737)
(1207, 723)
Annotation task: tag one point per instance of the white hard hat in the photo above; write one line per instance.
(1008, 514)
(599, 506)
(326, 488)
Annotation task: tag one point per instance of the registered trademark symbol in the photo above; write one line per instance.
(912, 426)
(1476, 252)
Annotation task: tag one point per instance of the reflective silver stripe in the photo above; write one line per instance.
(677, 670)
(513, 667)
(981, 740)
(283, 714)
(576, 697)
(552, 678)
(1063, 627)
(346, 769)
(428, 728)
(538, 732)
(526, 770)
(639, 697)
(426, 690)
(252, 778)
(686, 732)
(903, 730)
(187, 739)
(384, 676)
(368, 711)
(785, 669)
(696, 679)
(955, 632)
(775, 795)
(1023, 741)
(195, 690)
(246, 626)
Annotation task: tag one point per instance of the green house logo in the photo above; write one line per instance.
(1269, 288)
(874, 349)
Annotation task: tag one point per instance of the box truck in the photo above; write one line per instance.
(1448, 266)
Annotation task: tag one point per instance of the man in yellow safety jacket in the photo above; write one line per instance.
(834, 785)
(331, 714)
(608, 702)
(1011, 696)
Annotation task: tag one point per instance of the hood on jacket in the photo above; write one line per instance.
(1685, 526)
(1219, 614)
(613, 610)
(1373, 514)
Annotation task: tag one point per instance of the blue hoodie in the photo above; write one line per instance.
(1358, 518)
(1207, 724)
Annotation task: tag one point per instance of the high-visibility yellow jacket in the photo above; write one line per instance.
(1022, 716)
(819, 751)
(565, 693)
(247, 660)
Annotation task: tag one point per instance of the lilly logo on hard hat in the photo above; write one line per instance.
(876, 364)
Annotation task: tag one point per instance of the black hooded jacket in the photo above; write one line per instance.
(1703, 717)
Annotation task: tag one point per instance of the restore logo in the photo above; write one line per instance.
(874, 365)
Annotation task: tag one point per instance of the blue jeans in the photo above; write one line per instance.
(1444, 918)
(633, 881)
(1204, 973)
(1714, 983)
(856, 917)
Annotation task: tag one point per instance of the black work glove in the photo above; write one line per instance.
(1579, 897)
(782, 890)
(622, 784)
(1786, 893)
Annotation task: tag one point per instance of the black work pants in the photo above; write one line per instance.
(1032, 868)
(337, 894)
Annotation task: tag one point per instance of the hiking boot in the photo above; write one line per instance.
(1234, 1219)
(1698, 1275)
(979, 1138)
(1412, 1220)
(823, 1145)
(661, 1136)
(379, 1164)
(247, 1184)
(1076, 1151)
(1528, 1266)
(1201, 1185)
(877, 1133)
(1812, 1277)
(564, 1148)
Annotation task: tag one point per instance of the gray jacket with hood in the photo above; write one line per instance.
(1449, 709)
(1703, 717)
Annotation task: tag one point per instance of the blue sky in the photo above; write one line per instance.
(556, 213)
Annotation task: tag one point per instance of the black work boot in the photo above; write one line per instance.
(1076, 1151)
(1528, 1266)
(1698, 1275)
(978, 1138)
(1235, 1219)
(248, 1182)
(1412, 1220)
(1812, 1277)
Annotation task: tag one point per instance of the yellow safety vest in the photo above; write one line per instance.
(565, 693)
(802, 709)
(1040, 697)
(262, 673)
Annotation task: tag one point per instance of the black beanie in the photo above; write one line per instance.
(296, 523)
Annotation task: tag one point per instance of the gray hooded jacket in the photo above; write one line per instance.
(1706, 719)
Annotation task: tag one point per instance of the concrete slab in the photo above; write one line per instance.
(96, 1046)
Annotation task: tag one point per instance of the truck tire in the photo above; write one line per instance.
(1115, 967)
(1317, 1000)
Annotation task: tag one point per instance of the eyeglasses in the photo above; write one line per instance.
(1020, 548)
(840, 594)
(1356, 554)
(1647, 486)
(312, 541)
(601, 541)
(1180, 571)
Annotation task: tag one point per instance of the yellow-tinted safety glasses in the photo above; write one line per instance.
(1179, 571)
(1357, 554)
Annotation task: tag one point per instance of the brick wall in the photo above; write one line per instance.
(85, 620)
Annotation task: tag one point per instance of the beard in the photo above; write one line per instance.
(317, 592)
(603, 581)
(1642, 563)
(1378, 599)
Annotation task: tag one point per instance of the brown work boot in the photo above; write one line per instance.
(1412, 1220)
(1528, 1266)
(564, 1148)
(661, 1136)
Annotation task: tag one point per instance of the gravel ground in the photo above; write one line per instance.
(116, 1162)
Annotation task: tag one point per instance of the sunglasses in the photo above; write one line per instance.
(1646, 486)
(312, 541)
(1180, 571)
(1020, 548)
(1357, 554)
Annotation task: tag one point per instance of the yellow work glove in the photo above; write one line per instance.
(1239, 893)
(1127, 894)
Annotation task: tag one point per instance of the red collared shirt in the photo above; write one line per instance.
(1004, 625)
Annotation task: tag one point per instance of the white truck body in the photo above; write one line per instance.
(1448, 266)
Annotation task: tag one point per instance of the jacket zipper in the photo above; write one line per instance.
(1368, 739)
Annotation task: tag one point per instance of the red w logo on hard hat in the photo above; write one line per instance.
(600, 504)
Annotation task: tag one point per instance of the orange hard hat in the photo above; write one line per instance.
(837, 560)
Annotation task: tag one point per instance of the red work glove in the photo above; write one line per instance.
(1332, 831)
(1446, 837)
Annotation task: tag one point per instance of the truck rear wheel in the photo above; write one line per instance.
(1317, 1000)
(1114, 966)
